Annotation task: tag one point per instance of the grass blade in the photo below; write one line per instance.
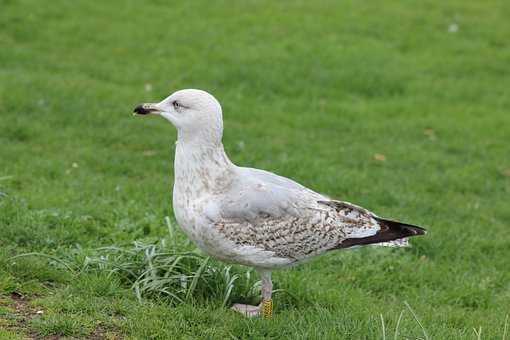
(418, 321)
(56, 259)
(478, 333)
(196, 277)
(395, 336)
(171, 232)
(383, 327)
(505, 327)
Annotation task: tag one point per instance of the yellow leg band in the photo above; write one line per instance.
(267, 308)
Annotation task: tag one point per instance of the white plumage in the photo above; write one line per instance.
(250, 216)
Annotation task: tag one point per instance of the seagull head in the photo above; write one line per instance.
(195, 114)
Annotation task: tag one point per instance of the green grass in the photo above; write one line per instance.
(310, 90)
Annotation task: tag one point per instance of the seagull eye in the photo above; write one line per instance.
(176, 104)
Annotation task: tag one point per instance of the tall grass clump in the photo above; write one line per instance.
(170, 269)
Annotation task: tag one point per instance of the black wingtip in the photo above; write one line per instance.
(419, 230)
(406, 228)
(390, 231)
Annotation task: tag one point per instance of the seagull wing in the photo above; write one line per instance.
(276, 214)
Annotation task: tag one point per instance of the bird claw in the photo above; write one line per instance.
(246, 310)
(265, 309)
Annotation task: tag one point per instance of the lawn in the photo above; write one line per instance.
(401, 107)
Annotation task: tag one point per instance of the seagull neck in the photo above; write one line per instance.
(201, 166)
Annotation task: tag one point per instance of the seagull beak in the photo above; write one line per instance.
(146, 108)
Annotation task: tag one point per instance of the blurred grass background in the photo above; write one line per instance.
(398, 106)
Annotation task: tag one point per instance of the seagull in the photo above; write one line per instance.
(254, 217)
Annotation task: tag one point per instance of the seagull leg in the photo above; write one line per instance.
(266, 305)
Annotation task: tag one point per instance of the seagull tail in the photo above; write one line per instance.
(392, 233)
